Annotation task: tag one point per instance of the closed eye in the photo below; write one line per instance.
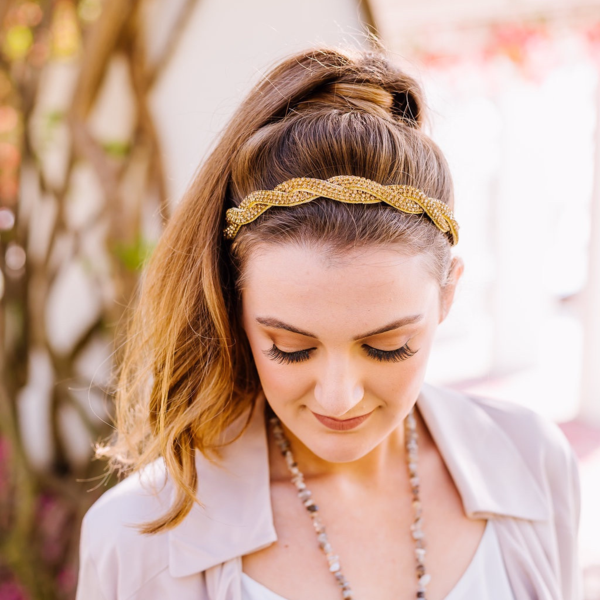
(390, 355)
(274, 353)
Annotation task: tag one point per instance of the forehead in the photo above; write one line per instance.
(290, 280)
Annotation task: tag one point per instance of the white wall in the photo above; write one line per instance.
(224, 49)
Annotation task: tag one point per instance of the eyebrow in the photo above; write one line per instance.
(277, 324)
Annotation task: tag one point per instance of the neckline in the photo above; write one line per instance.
(469, 447)
(487, 532)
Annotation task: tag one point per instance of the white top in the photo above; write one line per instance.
(485, 577)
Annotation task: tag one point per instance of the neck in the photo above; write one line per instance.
(373, 468)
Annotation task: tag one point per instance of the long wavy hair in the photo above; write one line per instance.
(187, 371)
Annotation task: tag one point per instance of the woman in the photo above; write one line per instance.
(272, 404)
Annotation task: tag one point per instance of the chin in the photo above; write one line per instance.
(336, 450)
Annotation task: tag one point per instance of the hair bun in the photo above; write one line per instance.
(363, 96)
(370, 83)
(407, 101)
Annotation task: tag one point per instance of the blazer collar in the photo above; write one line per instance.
(236, 517)
(488, 469)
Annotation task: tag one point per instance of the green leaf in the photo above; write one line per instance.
(117, 149)
(134, 255)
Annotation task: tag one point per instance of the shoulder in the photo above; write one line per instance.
(534, 435)
(552, 467)
(112, 549)
(141, 497)
(539, 442)
(493, 447)
(546, 450)
(538, 438)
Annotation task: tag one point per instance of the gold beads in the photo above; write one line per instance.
(343, 188)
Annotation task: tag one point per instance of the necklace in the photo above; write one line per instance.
(305, 496)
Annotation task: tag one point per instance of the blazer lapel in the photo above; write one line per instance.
(486, 466)
(236, 517)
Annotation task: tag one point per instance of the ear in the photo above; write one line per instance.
(456, 270)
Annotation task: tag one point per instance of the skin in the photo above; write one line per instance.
(358, 477)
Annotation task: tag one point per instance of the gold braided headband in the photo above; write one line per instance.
(344, 188)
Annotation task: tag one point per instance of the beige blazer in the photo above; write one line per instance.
(509, 464)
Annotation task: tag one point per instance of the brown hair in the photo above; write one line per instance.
(188, 372)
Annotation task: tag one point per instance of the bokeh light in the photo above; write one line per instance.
(7, 219)
(15, 257)
(66, 36)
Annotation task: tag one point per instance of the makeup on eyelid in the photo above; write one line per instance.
(396, 355)
(393, 339)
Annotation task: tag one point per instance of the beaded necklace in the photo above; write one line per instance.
(305, 496)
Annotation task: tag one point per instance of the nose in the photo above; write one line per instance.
(338, 389)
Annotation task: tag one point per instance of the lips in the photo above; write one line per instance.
(341, 425)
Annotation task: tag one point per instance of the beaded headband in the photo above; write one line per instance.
(344, 188)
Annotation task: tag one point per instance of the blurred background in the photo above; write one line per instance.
(107, 107)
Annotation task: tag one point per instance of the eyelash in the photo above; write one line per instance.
(381, 355)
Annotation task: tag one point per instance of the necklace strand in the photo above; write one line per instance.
(305, 496)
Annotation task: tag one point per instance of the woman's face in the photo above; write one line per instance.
(337, 341)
